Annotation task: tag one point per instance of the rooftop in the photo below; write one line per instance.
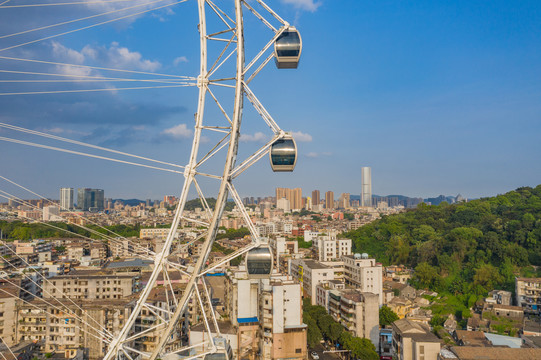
(225, 327)
(495, 353)
(129, 263)
(312, 264)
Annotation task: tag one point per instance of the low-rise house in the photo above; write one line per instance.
(414, 341)
(528, 294)
(492, 353)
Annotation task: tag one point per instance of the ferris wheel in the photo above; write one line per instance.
(285, 47)
(224, 81)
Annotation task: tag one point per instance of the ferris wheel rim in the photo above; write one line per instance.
(189, 177)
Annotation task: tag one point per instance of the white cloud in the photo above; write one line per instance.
(179, 60)
(120, 57)
(301, 137)
(179, 131)
(313, 154)
(66, 54)
(257, 137)
(310, 5)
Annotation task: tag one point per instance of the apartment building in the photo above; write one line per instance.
(309, 274)
(359, 314)
(148, 319)
(9, 297)
(364, 274)
(154, 233)
(528, 294)
(267, 314)
(414, 341)
(36, 246)
(282, 250)
(91, 284)
(283, 334)
(329, 248)
(64, 328)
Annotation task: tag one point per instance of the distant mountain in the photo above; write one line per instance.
(130, 202)
(438, 200)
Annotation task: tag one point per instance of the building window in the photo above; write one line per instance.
(298, 351)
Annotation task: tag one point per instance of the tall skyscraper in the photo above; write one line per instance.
(315, 197)
(280, 194)
(90, 199)
(66, 199)
(366, 186)
(329, 200)
(296, 195)
(293, 195)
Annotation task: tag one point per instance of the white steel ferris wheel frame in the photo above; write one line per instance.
(120, 345)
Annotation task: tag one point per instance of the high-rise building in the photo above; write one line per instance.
(315, 197)
(280, 194)
(293, 195)
(66, 198)
(344, 201)
(296, 195)
(329, 200)
(366, 187)
(90, 199)
(170, 200)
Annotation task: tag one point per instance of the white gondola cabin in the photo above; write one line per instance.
(283, 154)
(259, 262)
(287, 49)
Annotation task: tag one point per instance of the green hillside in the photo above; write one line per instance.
(461, 248)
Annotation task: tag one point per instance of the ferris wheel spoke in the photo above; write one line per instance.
(219, 12)
(222, 62)
(219, 146)
(203, 200)
(71, 21)
(261, 110)
(246, 217)
(195, 221)
(224, 113)
(91, 26)
(272, 12)
(96, 68)
(211, 176)
(227, 259)
(231, 41)
(253, 158)
(221, 32)
(261, 18)
(263, 64)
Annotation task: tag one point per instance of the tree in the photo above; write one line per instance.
(324, 322)
(335, 331)
(487, 276)
(314, 335)
(386, 316)
(424, 274)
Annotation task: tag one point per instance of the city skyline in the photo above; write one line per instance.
(448, 87)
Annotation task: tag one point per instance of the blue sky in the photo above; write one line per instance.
(438, 97)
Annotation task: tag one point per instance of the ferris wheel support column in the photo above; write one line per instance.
(223, 192)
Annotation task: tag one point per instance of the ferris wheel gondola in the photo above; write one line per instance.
(283, 154)
(259, 262)
(287, 49)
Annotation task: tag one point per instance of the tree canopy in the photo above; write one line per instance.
(469, 247)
